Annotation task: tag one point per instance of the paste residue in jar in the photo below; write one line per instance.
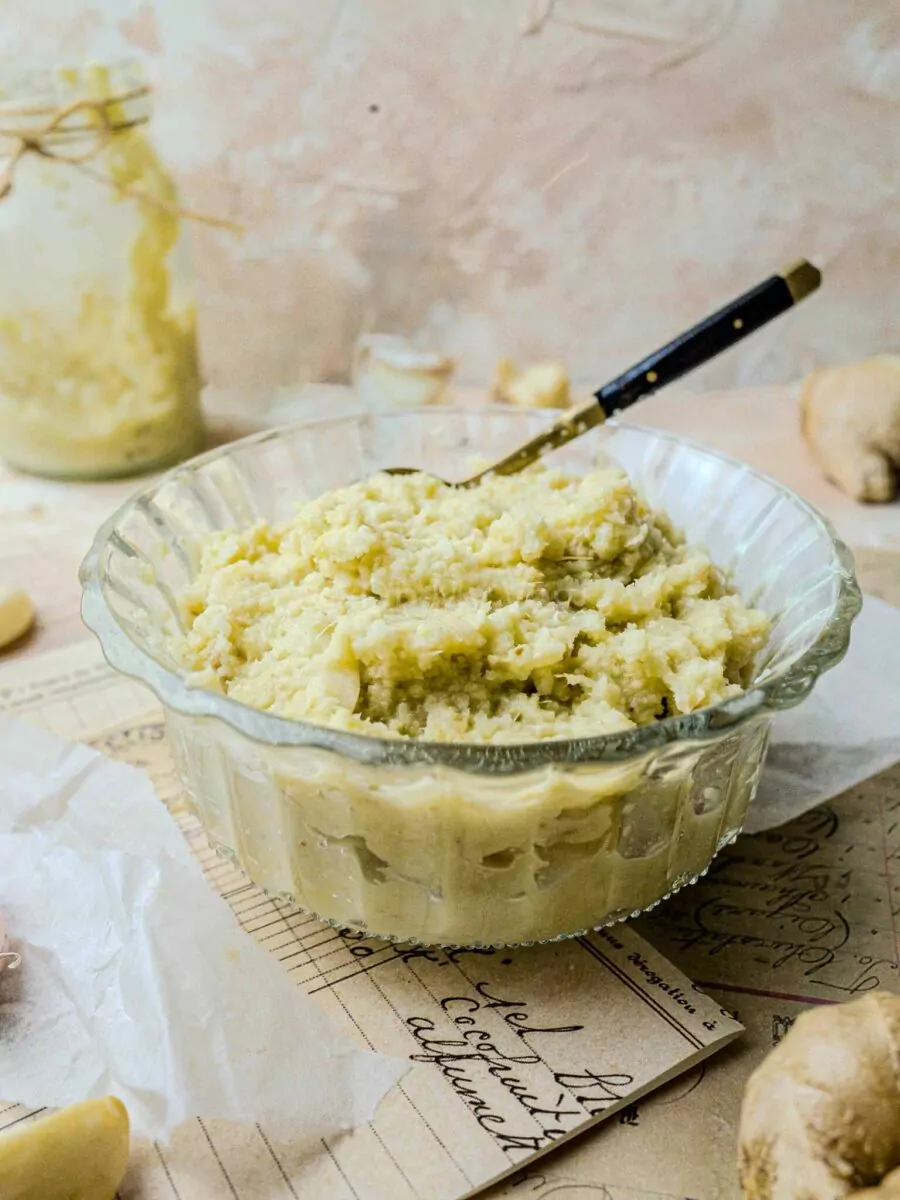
(116, 387)
(541, 605)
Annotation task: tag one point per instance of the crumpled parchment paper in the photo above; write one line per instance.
(136, 978)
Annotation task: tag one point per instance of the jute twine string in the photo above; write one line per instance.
(53, 139)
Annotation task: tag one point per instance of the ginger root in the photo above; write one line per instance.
(850, 416)
(821, 1115)
(888, 1189)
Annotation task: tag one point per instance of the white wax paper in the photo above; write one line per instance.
(847, 730)
(136, 978)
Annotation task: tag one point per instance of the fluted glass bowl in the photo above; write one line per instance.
(468, 844)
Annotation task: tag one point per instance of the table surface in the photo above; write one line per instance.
(47, 526)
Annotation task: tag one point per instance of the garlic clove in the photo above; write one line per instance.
(16, 613)
(541, 385)
(78, 1153)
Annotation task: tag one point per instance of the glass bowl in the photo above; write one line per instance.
(468, 844)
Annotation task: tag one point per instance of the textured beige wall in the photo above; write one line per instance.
(579, 178)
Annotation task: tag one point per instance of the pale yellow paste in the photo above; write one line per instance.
(541, 605)
(116, 387)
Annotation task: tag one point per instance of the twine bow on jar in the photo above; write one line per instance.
(77, 145)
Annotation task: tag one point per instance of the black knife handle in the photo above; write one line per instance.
(710, 337)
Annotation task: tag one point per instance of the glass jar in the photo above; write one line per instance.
(468, 844)
(98, 360)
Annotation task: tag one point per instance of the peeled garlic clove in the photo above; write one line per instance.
(16, 613)
(78, 1153)
(390, 372)
(542, 385)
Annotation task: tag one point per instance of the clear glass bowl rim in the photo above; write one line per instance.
(784, 688)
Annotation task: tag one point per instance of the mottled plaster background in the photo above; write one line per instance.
(577, 179)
